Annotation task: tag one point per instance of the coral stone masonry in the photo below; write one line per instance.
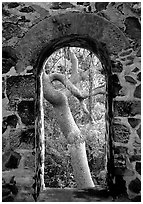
(32, 31)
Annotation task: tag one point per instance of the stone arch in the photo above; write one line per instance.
(68, 24)
(85, 30)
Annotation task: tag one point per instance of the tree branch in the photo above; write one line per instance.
(67, 83)
(98, 90)
(74, 61)
(54, 96)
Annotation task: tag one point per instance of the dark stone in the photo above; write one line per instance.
(134, 122)
(28, 137)
(139, 132)
(13, 5)
(136, 69)
(127, 108)
(131, 57)
(130, 80)
(135, 158)
(11, 160)
(139, 76)
(11, 30)
(120, 133)
(119, 188)
(116, 66)
(5, 12)
(137, 93)
(27, 9)
(20, 87)
(4, 126)
(80, 3)
(26, 112)
(55, 5)
(64, 5)
(136, 199)
(11, 120)
(3, 87)
(135, 186)
(23, 19)
(61, 5)
(5, 192)
(9, 59)
(9, 190)
(86, 3)
(101, 5)
(138, 167)
(120, 161)
(7, 64)
(115, 85)
(120, 150)
(3, 95)
(133, 28)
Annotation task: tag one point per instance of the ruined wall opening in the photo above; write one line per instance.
(92, 120)
(85, 71)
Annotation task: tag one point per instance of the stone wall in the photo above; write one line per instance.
(18, 90)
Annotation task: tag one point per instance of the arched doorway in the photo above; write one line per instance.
(95, 47)
(72, 29)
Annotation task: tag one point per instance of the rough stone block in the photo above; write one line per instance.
(120, 161)
(3, 87)
(101, 5)
(121, 133)
(134, 122)
(130, 79)
(116, 66)
(138, 167)
(127, 108)
(11, 30)
(20, 87)
(139, 132)
(120, 150)
(133, 28)
(135, 158)
(139, 76)
(135, 186)
(11, 160)
(9, 58)
(11, 120)
(9, 190)
(136, 69)
(116, 85)
(13, 5)
(27, 137)
(28, 9)
(26, 112)
(120, 186)
(137, 93)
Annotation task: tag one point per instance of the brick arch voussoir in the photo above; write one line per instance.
(68, 23)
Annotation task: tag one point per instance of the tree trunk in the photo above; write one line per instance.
(71, 132)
